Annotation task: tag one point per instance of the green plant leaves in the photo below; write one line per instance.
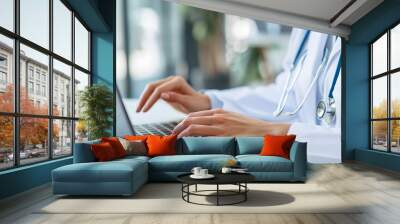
(96, 102)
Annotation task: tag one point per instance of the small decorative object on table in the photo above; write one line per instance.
(232, 166)
(200, 173)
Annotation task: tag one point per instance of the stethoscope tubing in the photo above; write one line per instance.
(287, 88)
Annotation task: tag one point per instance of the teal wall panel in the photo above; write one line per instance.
(377, 158)
(357, 101)
(103, 63)
(102, 59)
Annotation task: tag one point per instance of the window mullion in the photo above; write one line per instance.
(389, 104)
(73, 82)
(371, 137)
(16, 84)
(50, 81)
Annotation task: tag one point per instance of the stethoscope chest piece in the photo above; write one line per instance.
(326, 110)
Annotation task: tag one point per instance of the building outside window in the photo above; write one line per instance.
(38, 89)
(55, 128)
(43, 90)
(37, 74)
(30, 87)
(3, 72)
(3, 77)
(30, 72)
(3, 61)
(385, 92)
(44, 77)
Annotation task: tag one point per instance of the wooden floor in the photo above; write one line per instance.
(377, 188)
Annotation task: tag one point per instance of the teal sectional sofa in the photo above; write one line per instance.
(125, 176)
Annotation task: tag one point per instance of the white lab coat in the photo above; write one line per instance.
(323, 140)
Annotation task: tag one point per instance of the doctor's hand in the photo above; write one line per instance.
(176, 92)
(217, 122)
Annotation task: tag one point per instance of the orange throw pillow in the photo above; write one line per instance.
(161, 145)
(277, 145)
(116, 145)
(103, 152)
(136, 137)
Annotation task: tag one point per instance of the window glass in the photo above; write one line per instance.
(34, 21)
(379, 135)
(30, 58)
(81, 82)
(62, 29)
(395, 95)
(6, 74)
(379, 98)
(395, 47)
(395, 136)
(62, 89)
(7, 14)
(33, 140)
(6, 142)
(62, 138)
(379, 56)
(81, 45)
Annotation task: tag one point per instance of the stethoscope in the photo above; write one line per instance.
(289, 85)
(326, 109)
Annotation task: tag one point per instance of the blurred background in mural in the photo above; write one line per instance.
(211, 50)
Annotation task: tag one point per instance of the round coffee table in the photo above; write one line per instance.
(238, 179)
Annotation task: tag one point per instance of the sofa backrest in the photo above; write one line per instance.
(249, 145)
(83, 152)
(195, 145)
(206, 145)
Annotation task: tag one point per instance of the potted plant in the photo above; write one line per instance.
(96, 102)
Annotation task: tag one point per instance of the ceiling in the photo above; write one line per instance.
(328, 16)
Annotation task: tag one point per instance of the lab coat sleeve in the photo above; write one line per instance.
(322, 141)
(253, 101)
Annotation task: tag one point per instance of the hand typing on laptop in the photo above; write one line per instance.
(176, 92)
(202, 120)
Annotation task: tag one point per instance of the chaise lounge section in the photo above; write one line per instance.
(125, 176)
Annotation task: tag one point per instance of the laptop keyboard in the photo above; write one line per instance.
(155, 129)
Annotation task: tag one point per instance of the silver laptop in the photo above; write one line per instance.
(159, 120)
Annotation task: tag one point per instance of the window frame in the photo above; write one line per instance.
(16, 115)
(388, 74)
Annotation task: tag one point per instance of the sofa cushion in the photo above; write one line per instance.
(249, 145)
(161, 145)
(277, 145)
(206, 145)
(103, 152)
(135, 147)
(185, 163)
(116, 145)
(257, 163)
(112, 171)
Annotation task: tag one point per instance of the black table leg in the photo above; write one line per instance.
(245, 193)
(217, 194)
(195, 188)
(188, 190)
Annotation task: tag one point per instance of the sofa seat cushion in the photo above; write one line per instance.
(133, 158)
(121, 170)
(206, 145)
(257, 163)
(185, 163)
